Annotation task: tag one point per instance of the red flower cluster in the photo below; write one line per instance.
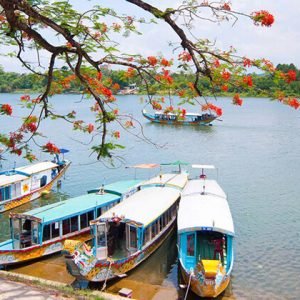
(90, 128)
(237, 100)
(185, 56)
(156, 105)
(164, 62)
(167, 76)
(25, 98)
(263, 18)
(217, 63)
(226, 6)
(181, 93)
(210, 106)
(51, 148)
(116, 134)
(106, 92)
(226, 75)
(99, 76)
(247, 62)
(128, 124)
(224, 88)
(169, 109)
(29, 127)
(290, 76)
(248, 80)
(183, 112)
(293, 103)
(5, 109)
(130, 72)
(152, 60)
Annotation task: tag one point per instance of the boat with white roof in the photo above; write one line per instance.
(131, 231)
(21, 185)
(205, 236)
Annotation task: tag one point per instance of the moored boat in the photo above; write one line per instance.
(172, 119)
(21, 185)
(205, 237)
(42, 231)
(130, 232)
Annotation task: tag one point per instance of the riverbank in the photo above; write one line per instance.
(19, 286)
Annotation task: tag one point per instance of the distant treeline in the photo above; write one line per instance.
(16, 82)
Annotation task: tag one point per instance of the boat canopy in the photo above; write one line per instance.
(78, 205)
(203, 166)
(144, 166)
(22, 173)
(143, 207)
(208, 211)
(158, 113)
(169, 179)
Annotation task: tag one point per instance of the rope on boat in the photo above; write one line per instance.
(104, 284)
(188, 287)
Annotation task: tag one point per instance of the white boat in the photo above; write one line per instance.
(205, 236)
(131, 231)
(21, 185)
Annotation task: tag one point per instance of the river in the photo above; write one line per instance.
(256, 150)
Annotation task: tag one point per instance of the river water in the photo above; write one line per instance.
(256, 149)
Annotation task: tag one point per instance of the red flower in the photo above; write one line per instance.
(183, 112)
(185, 56)
(51, 148)
(25, 98)
(226, 75)
(6, 109)
(247, 62)
(167, 76)
(224, 88)
(116, 134)
(156, 105)
(90, 128)
(291, 76)
(152, 60)
(226, 6)
(263, 17)
(31, 127)
(217, 63)
(128, 124)
(99, 76)
(106, 92)
(165, 62)
(130, 72)
(237, 100)
(293, 103)
(248, 80)
(181, 93)
(116, 111)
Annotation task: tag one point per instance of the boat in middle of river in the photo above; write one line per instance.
(131, 231)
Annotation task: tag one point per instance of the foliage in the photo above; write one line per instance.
(85, 44)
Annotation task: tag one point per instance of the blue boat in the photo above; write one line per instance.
(205, 236)
(42, 231)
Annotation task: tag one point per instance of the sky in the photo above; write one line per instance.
(279, 43)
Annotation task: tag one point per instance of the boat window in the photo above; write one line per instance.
(162, 222)
(158, 225)
(153, 230)
(132, 237)
(55, 230)
(90, 215)
(16, 190)
(46, 233)
(83, 221)
(5, 193)
(191, 245)
(66, 226)
(34, 232)
(101, 236)
(16, 233)
(74, 224)
(43, 180)
(147, 234)
(98, 212)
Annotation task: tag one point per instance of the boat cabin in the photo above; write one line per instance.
(21, 181)
(134, 223)
(205, 227)
(70, 217)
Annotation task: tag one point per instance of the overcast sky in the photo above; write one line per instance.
(279, 43)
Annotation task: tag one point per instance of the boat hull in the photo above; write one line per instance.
(90, 269)
(10, 257)
(204, 287)
(34, 194)
(179, 122)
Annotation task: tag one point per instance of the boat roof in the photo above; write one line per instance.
(203, 167)
(209, 211)
(172, 114)
(169, 179)
(19, 174)
(143, 207)
(78, 205)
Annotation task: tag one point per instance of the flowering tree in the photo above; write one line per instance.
(85, 44)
